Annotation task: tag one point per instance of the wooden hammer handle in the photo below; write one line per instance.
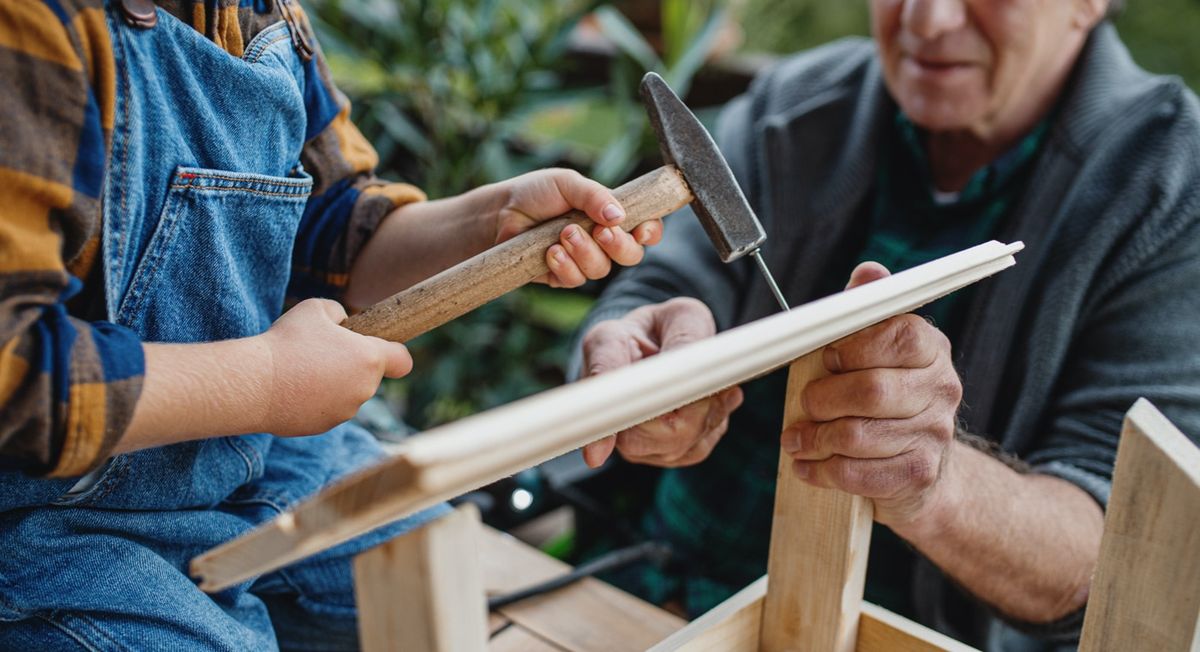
(508, 265)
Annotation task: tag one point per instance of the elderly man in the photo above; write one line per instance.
(986, 431)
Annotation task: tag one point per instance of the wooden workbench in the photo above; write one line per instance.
(587, 616)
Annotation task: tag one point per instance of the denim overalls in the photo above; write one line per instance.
(204, 194)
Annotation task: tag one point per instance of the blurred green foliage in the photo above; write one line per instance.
(439, 85)
(610, 128)
(1162, 34)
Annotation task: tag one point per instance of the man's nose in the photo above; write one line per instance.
(929, 19)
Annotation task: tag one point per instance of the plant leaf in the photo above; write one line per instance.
(680, 76)
(626, 37)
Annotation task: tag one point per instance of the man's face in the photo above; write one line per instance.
(959, 64)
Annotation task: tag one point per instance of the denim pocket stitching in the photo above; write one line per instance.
(263, 40)
(285, 183)
(110, 478)
(251, 191)
(63, 621)
(18, 614)
(120, 145)
(251, 467)
(155, 254)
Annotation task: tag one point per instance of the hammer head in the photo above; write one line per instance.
(717, 199)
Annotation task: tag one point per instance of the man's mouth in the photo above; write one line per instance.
(936, 67)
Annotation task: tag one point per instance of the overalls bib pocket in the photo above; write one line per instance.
(220, 256)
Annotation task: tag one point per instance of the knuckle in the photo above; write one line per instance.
(906, 335)
(851, 435)
(847, 476)
(921, 471)
(632, 445)
(943, 429)
(873, 388)
(951, 387)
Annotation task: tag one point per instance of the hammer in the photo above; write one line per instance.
(694, 172)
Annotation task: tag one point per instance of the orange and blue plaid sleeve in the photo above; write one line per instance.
(67, 386)
(348, 200)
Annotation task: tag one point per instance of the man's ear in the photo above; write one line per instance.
(1089, 13)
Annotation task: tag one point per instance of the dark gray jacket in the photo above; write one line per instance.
(1102, 307)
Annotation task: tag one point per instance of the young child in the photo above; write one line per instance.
(170, 176)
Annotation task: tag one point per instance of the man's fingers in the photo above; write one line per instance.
(674, 431)
(850, 437)
(866, 273)
(904, 341)
(613, 344)
(618, 245)
(872, 393)
(682, 321)
(597, 453)
(912, 470)
(697, 453)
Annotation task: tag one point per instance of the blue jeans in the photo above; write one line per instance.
(197, 247)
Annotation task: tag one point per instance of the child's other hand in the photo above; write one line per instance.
(321, 372)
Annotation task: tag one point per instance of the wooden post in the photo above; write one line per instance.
(1146, 591)
(818, 556)
(423, 592)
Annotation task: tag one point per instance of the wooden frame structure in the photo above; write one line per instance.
(424, 588)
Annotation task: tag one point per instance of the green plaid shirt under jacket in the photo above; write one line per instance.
(717, 515)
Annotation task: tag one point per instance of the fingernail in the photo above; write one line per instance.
(833, 360)
(574, 237)
(802, 469)
(559, 257)
(612, 213)
(791, 441)
(605, 236)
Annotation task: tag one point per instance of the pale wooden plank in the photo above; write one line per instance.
(880, 630)
(1145, 594)
(423, 591)
(732, 626)
(516, 639)
(496, 622)
(464, 455)
(818, 553)
(588, 616)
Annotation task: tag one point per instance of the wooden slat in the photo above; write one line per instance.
(475, 451)
(880, 630)
(818, 553)
(515, 639)
(588, 616)
(423, 592)
(1145, 594)
(732, 626)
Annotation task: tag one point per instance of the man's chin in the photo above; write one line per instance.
(940, 113)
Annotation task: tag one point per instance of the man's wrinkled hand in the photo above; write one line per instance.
(681, 437)
(882, 424)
